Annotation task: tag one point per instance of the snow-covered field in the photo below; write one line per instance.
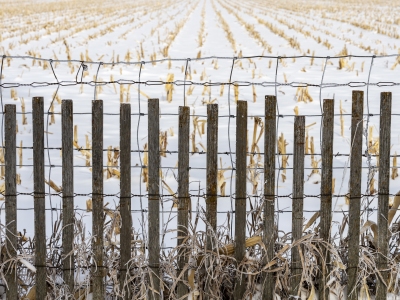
(264, 47)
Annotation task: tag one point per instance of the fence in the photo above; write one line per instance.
(183, 198)
(211, 262)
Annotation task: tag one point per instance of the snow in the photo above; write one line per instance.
(133, 29)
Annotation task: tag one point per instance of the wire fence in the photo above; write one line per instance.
(292, 100)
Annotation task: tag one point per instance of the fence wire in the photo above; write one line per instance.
(369, 203)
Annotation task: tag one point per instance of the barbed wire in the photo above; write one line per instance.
(275, 84)
(175, 196)
(113, 63)
(369, 207)
(202, 152)
(352, 84)
(83, 65)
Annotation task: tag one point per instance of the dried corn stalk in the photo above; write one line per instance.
(203, 75)
(341, 119)
(333, 184)
(85, 152)
(303, 95)
(172, 193)
(190, 90)
(121, 93)
(2, 161)
(307, 144)
(258, 123)
(145, 172)
(169, 87)
(20, 154)
(394, 167)
(221, 180)
(14, 94)
(282, 151)
(113, 83)
(236, 92)
(54, 186)
(311, 221)
(128, 94)
(221, 91)
(312, 148)
(24, 118)
(314, 162)
(52, 118)
(216, 67)
(89, 205)
(112, 162)
(343, 60)
(373, 144)
(163, 143)
(76, 134)
(88, 154)
(193, 141)
(372, 189)
(206, 91)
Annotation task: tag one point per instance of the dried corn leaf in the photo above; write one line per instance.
(53, 186)
(311, 221)
(89, 205)
(393, 210)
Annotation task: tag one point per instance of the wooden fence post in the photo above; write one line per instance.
(355, 192)
(326, 191)
(39, 197)
(212, 168)
(269, 193)
(211, 183)
(240, 200)
(125, 194)
(68, 192)
(383, 206)
(183, 197)
(97, 200)
(298, 199)
(154, 198)
(10, 160)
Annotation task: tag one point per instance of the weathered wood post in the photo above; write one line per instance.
(269, 193)
(355, 192)
(240, 200)
(39, 197)
(10, 160)
(68, 191)
(298, 201)
(154, 198)
(326, 191)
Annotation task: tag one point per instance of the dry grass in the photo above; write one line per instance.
(216, 264)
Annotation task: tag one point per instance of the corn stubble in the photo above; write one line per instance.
(222, 254)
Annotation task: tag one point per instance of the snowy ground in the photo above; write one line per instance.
(128, 33)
